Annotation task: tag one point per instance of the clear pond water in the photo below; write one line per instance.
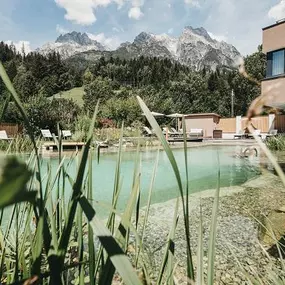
(203, 162)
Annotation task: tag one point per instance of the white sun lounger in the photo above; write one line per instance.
(66, 134)
(148, 132)
(240, 135)
(4, 136)
(272, 133)
(47, 134)
(168, 131)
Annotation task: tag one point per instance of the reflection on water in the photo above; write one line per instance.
(203, 162)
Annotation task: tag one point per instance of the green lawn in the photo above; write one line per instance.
(76, 94)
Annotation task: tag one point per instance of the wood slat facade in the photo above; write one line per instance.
(259, 123)
(280, 123)
(227, 125)
(11, 129)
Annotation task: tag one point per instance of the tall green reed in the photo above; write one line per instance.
(50, 243)
(50, 240)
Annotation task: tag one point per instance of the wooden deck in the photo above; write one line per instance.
(181, 139)
(68, 146)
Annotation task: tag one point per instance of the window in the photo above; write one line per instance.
(275, 63)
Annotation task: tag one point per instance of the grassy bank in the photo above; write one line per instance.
(75, 94)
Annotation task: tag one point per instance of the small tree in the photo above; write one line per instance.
(87, 77)
(25, 84)
(121, 110)
(100, 88)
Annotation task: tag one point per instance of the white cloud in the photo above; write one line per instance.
(80, 12)
(61, 30)
(19, 46)
(137, 3)
(115, 29)
(219, 38)
(194, 3)
(120, 3)
(135, 13)
(170, 31)
(277, 12)
(111, 43)
(83, 12)
(169, 5)
(118, 29)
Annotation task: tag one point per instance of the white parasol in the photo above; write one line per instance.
(177, 116)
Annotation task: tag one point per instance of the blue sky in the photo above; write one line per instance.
(114, 21)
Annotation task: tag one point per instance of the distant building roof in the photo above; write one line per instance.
(203, 115)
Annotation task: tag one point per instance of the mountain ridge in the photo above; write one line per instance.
(194, 48)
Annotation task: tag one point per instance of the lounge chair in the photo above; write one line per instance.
(176, 133)
(240, 135)
(256, 132)
(166, 130)
(4, 136)
(272, 133)
(66, 134)
(196, 133)
(102, 144)
(46, 134)
(148, 132)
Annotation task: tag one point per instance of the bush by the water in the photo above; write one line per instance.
(276, 143)
(19, 144)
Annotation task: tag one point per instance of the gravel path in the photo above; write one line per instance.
(237, 230)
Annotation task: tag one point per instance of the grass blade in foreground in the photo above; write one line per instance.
(19, 105)
(57, 260)
(168, 151)
(111, 220)
(169, 251)
(213, 232)
(91, 247)
(200, 253)
(115, 253)
(147, 208)
(13, 180)
(123, 230)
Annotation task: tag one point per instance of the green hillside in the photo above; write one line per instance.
(76, 94)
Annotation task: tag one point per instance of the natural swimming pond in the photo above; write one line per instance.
(203, 163)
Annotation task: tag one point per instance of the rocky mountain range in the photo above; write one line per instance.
(194, 48)
(72, 43)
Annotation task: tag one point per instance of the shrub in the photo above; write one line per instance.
(45, 114)
(276, 143)
(121, 110)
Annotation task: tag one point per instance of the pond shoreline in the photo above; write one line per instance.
(238, 232)
(157, 146)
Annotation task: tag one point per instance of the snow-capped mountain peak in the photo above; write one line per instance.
(194, 47)
(198, 32)
(169, 42)
(72, 43)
